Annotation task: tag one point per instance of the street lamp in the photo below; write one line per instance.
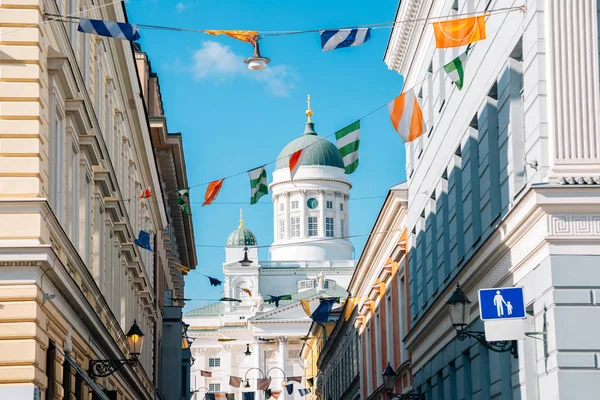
(284, 382)
(389, 382)
(247, 384)
(247, 353)
(246, 261)
(458, 305)
(257, 61)
(135, 341)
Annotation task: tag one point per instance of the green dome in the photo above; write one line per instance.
(317, 150)
(241, 237)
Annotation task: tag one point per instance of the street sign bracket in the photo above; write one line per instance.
(534, 334)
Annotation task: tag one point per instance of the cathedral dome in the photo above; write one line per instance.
(317, 150)
(241, 237)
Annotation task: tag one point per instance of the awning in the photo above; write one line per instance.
(93, 385)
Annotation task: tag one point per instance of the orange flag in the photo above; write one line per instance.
(146, 194)
(459, 32)
(295, 163)
(406, 116)
(248, 291)
(263, 383)
(244, 36)
(275, 393)
(212, 191)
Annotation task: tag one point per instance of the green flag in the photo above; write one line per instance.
(183, 205)
(456, 69)
(347, 140)
(258, 184)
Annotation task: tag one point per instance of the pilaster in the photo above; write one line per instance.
(574, 96)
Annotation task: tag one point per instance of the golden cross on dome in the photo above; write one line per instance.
(241, 218)
(309, 112)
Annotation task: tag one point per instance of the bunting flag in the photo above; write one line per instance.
(210, 396)
(116, 30)
(321, 313)
(268, 394)
(230, 396)
(213, 281)
(248, 395)
(297, 379)
(263, 383)
(180, 267)
(406, 116)
(244, 36)
(266, 340)
(220, 396)
(235, 381)
(310, 381)
(289, 388)
(459, 31)
(146, 194)
(182, 198)
(229, 299)
(206, 374)
(332, 39)
(350, 305)
(275, 394)
(306, 306)
(277, 299)
(347, 141)
(227, 340)
(143, 240)
(304, 392)
(247, 291)
(258, 184)
(456, 69)
(294, 163)
(212, 191)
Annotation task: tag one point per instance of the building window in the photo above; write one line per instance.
(329, 227)
(294, 204)
(214, 362)
(313, 226)
(214, 387)
(295, 225)
(342, 228)
(281, 229)
(341, 206)
(51, 371)
(57, 152)
(330, 205)
(281, 206)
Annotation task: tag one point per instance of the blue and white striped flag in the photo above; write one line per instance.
(339, 38)
(304, 392)
(117, 30)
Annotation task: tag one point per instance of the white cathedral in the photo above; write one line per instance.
(310, 258)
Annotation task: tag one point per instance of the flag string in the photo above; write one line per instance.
(73, 18)
(311, 241)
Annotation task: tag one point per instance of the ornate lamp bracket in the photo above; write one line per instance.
(103, 368)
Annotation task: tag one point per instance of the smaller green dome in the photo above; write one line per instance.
(241, 237)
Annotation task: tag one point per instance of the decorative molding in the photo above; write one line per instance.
(574, 224)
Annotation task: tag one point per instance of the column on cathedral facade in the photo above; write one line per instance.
(321, 213)
(282, 361)
(258, 363)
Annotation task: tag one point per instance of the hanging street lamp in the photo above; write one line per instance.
(459, 308)
(135, 341)
(247, 353)
(389, 382)
(257, 61)
(246, 261)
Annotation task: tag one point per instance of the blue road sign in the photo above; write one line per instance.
(501, 303)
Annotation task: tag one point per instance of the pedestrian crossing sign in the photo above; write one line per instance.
(501, 303)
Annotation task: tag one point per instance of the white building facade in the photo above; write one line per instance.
(311, 258)
(504, 191)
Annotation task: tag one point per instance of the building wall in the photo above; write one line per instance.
(76, 154)
(498, 185)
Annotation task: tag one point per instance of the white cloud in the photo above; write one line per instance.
(216, 61)
(179, 7)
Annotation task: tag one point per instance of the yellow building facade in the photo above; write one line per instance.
(76, 152)
(314, 341)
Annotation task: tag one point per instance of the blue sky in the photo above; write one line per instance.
(233, 119)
